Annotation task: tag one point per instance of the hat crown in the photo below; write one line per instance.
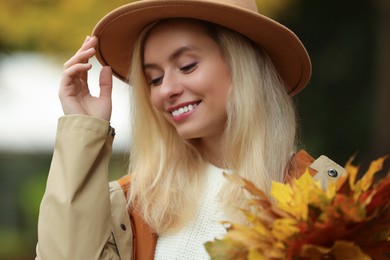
(246, 4)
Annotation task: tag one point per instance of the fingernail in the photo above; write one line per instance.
(87, 38)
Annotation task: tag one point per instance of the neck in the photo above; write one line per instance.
(211, 150)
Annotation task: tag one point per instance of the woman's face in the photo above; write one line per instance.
(189, 79)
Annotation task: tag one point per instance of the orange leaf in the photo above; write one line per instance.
(340, 250)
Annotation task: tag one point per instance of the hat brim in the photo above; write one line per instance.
(118, 30)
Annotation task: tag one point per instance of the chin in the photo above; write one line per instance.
(188, 135)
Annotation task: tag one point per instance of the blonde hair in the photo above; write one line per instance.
(259, 138)
(261, 128)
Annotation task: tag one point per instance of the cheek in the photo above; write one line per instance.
(211, 80)
(155, 101)
(219, 73)
(223, 81)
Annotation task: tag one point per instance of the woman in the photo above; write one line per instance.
(212, 85)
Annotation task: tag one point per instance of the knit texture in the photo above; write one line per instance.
(188, 242)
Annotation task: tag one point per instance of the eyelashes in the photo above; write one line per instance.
(185, 69)
(189, 68)
(156, 81)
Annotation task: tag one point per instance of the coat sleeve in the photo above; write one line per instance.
(75, 217)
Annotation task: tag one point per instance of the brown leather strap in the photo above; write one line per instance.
(299, 162)
(124, 182)
(144, 240)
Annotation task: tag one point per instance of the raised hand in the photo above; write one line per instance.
(74, 92)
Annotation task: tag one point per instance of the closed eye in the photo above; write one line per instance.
(189, 68)
(156, 81)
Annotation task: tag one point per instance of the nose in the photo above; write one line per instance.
(170, 86)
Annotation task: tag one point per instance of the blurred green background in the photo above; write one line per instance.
(344, 110)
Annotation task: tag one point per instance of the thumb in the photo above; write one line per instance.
(105, 82)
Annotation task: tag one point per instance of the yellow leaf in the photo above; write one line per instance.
(368, 177)
(247, 236)
(331, 192)
(225, 249)
(294, 199)
(284, 228)
(281, 193)
(352, 173)
(255, 255)
(306, 180)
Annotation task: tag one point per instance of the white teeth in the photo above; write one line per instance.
(182, 110)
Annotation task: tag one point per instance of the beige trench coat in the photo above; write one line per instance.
(81, 216)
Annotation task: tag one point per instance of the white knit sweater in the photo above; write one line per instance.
(188, 242)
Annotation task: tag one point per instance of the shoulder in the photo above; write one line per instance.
(121, 185)
(118, 193)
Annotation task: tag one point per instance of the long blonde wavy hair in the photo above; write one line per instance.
(259, 139)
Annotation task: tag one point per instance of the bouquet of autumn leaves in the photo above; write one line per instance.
(348, 220)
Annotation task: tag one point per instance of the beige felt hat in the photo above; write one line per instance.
(118, 30)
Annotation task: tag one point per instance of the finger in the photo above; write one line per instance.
(81, 57)
(87, 39)
(77, 68)
(73, 72)
(88, 43)
(89, 46)
(105, 82)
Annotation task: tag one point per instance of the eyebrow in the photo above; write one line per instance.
(177, 53)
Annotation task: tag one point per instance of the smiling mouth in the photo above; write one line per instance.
(184, 109)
